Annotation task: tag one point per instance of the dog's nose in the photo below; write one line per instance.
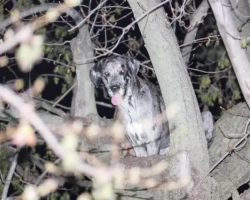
(115, 88)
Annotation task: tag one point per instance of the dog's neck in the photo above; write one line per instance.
(134, 88)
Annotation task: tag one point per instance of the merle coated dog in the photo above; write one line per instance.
(139, 104)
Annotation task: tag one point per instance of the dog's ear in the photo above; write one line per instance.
(133, 66)
(95, 73)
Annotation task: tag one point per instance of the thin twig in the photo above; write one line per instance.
(87, 17)
(107, 105)
(208, 72)
(146, 14)
(127, 28)
(9, 177)
(26, 32)
(40, 100)
(40, 178)
(65, 94)
(204, 39)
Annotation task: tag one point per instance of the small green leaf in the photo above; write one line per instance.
(112, 19)
(236, 95)
(118, 11)
(64, 88)
(205, 81)
(56, 80)
(244, 43)
(68, 78)
(226, 63)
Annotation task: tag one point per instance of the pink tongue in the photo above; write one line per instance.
(116, 100)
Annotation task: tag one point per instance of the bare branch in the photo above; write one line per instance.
(27, 112)
(88, 16)
(128, 27)
(195, 21)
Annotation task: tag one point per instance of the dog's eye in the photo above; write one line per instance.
(106, 74)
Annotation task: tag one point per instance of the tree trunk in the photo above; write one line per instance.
(83, 102)
(186, 134)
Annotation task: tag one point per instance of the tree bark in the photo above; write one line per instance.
(186, 134)
(233, 171)
(226, 22)
(83, 102)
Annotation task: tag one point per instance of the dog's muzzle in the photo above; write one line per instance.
(116, 93)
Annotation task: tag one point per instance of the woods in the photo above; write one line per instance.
(58, 139)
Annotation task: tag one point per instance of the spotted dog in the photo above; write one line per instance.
(139, 104)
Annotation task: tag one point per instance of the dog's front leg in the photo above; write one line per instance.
(140, 150)
(153, 148)
(134, 132)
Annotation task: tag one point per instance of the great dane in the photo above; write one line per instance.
(139, 104)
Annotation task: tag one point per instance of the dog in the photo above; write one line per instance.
(138, 102)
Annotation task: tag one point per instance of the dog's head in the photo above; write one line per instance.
(116, 73)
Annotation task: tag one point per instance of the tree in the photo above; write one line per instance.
(153, 32)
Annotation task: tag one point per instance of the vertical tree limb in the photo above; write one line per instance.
(83, 102)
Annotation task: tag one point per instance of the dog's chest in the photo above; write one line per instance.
(138, 120)
(137, 109)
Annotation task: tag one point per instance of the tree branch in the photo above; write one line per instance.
(226, 24)
(195, 21)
